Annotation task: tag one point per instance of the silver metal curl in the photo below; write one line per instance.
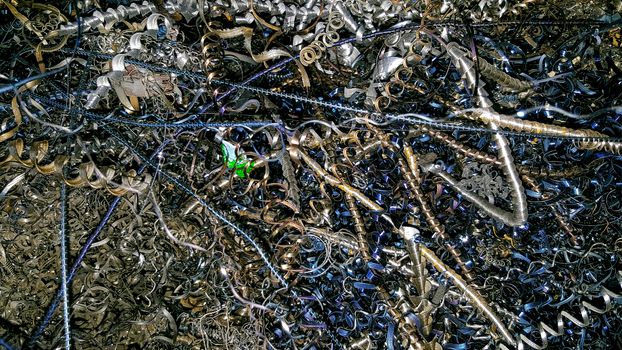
(610, 299)
(108, 18)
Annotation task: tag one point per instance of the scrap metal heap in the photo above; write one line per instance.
(285, 174)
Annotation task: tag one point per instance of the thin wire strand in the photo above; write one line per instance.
(404, 118)
(25, 81)
(109, 118)
(63, 260)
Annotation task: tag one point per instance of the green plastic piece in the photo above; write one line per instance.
(241, 165)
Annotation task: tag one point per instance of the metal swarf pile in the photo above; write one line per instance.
(285, 174)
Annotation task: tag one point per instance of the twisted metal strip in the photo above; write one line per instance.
(107, 19)
(85, 171)
(610, 299)
(472, 294)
